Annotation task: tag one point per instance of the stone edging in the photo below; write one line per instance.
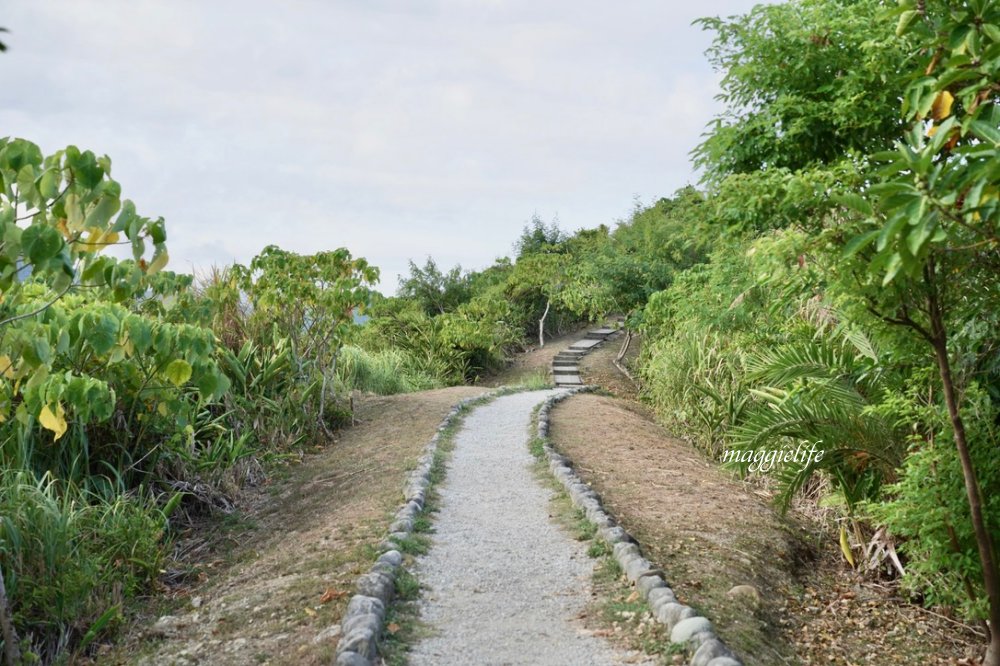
(362, 622)
(683, 622)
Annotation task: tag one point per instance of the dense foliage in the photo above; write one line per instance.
(833, 285)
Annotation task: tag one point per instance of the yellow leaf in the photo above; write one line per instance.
(53, 421)
(6, 367)
(162, 409)
(941, 108)
(845, 546)
(97, 240)
(158, 262)
(932, 130)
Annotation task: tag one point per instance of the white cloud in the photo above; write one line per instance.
(398, 129)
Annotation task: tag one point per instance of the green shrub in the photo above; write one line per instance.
(928, 509)
(383, 372)
(68, 557)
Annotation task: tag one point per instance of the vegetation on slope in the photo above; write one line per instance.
(834, 284)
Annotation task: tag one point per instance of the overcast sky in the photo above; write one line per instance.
(398, 129)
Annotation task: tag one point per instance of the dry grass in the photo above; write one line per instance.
(275, 579)
(710, 533)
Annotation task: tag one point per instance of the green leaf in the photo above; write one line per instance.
(157, 232)
(986, 132)
(891, 230)
(905, 19)
(212, 385)
(38, 352)
(100, 330)
(178, 372)
(125, 218)
(41, 242)
(893, 267)
(854, 202)
(48, 184)
(100, 214)
(860, 242)
(919, 236)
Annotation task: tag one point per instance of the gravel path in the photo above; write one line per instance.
(504, 583)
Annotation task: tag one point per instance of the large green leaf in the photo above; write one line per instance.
(178, 372)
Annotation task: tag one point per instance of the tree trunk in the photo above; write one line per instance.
(987, 557)
(621, 355)
(10, 642)
(541, 324)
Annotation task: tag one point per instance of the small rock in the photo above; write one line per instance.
(624, 547)
(746, 593)
(196, 602)
(686, 628)
(725, 661)
(674, 613)
(661, 595)
(351, 659)
(710, 650)
(376, 584)
(327, 634)
(166, 626)
(360, 641)
(648, 583)
(393, 557)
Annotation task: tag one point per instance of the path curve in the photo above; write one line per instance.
(505, 584)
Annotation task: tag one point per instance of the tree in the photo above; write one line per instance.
(805, 83)
(542, 275)
(936, 221)
(315, 298)
(435, 291)
(538, 237)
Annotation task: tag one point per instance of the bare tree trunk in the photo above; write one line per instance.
(987, 557)
(541, 324)
(10, 642)
(621, 355)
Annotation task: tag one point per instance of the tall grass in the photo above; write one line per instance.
(70, 559)
(382, 372)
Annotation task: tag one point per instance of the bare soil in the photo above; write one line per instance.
(533, 362)
(597, 368)
(710, 533)
(273, 583)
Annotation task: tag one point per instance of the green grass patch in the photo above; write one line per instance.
(407, 585)
(414, 544)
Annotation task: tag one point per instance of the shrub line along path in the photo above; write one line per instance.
(505, 584)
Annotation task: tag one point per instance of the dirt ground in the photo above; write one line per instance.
(272, 584)
(710, 533)
(597, 367)
(533, 362)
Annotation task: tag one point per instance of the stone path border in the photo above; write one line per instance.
(362, 623)
(685, 625)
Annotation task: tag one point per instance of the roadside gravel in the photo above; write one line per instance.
(505, 585)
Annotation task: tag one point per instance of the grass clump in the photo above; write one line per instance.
(384, 372)
(71, 559)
